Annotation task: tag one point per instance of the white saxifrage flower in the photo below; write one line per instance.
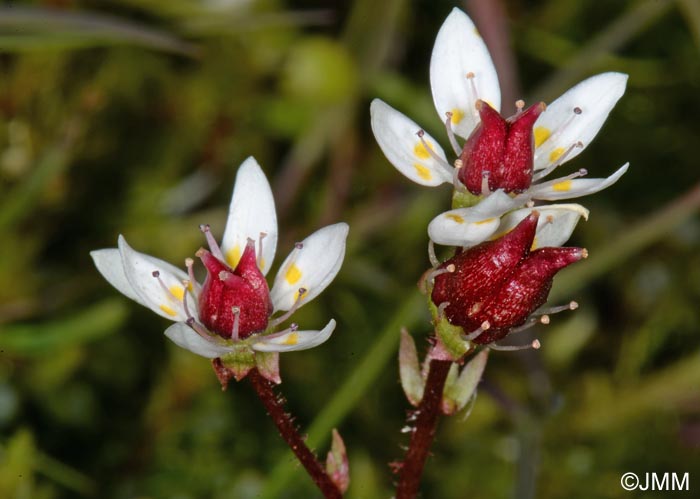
(503, 161)
(234, 315)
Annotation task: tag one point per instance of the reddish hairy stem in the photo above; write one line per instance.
(424, 432)
(274, 404)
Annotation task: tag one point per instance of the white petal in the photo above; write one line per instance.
(554, 227)
(139, 268)
(471, 226)
(109, 263)
(569, 189)
(558, 127)
(183, 336)
(396, 135)
(458, 51)
(312, 267)
(296, 340)
(252, 212)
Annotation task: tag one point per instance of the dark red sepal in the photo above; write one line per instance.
(501, 148)
(225, 288)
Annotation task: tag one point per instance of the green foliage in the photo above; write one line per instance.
(131, 117)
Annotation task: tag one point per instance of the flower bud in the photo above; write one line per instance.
(500, 282)
(502, 149)
(234, 303)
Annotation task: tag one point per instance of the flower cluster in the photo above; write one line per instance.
(507, 248)
(231, 316)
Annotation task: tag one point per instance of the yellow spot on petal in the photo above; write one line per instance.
(457, 116)
(293, 274)
(556, 154)
(455, 218)
(178, 292)
(422, 171)
(476, 32)
(541, 134)
(168, 310)
(233, 256)
(487, 221)
(261, 263)
(564, 186)
(292, 339)
(420, 150)
(534, 244)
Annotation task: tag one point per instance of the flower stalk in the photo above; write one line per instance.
(275, 405)
(426, 420)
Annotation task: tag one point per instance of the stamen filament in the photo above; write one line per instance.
(485, 326)
(514, 348)
(475, 94)
(260, 248)
(581, 173)
(167, 291)
(485, 189)
(292, 328)
(199, 329)
(431, 254)
(451, 134)
(576, 112)
(447, 270)
(432, 153)
(297, 303)
(441, 309)
(213, 245)
(196, 288)
(557, 163)
(236, 322)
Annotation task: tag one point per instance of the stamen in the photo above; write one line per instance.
(485, 326)
(485, 190)
(186, 284)
(475, 94)
(167, 291)
(292, 328)
(260, 248)
(581, 173)
(441, 309)
(432, 153)
(447, 270)
(514, 348)
(236, 321)
(451, 134)
(199, 329)
(213, 245)
(556, 133)
(519, 106)
(431, 254)
(196, 288)
(557, 163)
(561, 308)
(295, 306)
(455, 176)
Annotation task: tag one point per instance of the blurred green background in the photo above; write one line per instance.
(132, 116)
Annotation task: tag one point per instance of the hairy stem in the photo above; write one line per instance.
(424, 432)
(274, 404)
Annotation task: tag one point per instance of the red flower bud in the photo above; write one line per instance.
(501, 148)
(227, 292)
(500, 282)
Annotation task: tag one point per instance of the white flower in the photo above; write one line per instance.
(251, 224)
(461, 75)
